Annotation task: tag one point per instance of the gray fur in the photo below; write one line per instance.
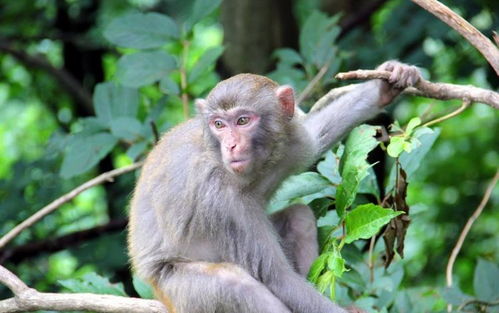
(200, 234)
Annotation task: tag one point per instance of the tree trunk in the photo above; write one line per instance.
(253, 29)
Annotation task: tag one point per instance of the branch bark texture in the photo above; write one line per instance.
(424, 88)
(28, 300)
(468, 31)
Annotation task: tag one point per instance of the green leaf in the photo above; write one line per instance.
(288, 56)
(93, 125)
(136, 150)
(127, 128)
(143, 289)
(84, 152)
(144, 68)
(297, 186)
(112, 100)
(204, 63)
(200, 10)
(93, 283)
(366, 220)
(317, 38)
(329, 167)
(318, 266)
(396, 146)
(369, 184)
(411, 161)
(141, 30)
(320, 206)
(353, 165)
(455, 296)
(325, 280)
(336, 264)
(486, 281)
(168, 86)
(413, 123)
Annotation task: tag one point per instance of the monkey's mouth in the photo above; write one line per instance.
(239, 166)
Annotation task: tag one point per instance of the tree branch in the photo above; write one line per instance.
(107, 176)
(464, 106)
(468, 31)
(424, 88)
(467, 227)
(305, 93)
(30, 249)
(62, 76)
(27, 300)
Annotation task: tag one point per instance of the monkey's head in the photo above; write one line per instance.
(247, 119)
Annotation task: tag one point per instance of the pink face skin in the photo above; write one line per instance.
(234, 130)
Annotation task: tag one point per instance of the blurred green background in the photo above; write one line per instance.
(53, 54)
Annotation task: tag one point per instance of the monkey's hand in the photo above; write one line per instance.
(402, 76)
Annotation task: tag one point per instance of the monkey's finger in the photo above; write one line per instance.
(395, 75)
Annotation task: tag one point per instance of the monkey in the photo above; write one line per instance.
(198, 230)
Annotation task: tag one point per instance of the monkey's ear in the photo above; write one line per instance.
(201, 105)
(286, 97)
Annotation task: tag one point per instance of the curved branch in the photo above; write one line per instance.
(467, 227)
(27, 300)
(468, 31)
(424, 88)
(104, 177)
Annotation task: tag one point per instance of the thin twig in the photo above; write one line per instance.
(468, 31)
(424, 88)
(155, 131)
(28, 300)
(183, 79)
(107, 176)
(371, 261)
(305, 93)
(467, 227)
(464, 106)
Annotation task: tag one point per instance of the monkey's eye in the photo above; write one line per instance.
(243, 120)
(218, 124)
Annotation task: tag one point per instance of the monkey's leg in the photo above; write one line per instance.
(202, 287)
(298, 229)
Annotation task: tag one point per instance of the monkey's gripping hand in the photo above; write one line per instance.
(402, 76)
(331, 123)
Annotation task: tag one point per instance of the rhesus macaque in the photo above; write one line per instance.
(198, 229)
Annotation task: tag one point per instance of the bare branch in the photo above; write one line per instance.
(27, 300)
(424, 88)
(468, 31)
(464, 106)
(312, 84)
(467, 227)
(12, 281)
(332, 95)
(104, 177)
(19, 253)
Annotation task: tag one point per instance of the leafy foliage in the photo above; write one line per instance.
(165, 58)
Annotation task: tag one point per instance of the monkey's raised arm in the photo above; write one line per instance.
(329, 124)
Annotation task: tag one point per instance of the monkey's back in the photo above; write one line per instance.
(160, 195)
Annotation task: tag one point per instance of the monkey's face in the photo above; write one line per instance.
(235, 130)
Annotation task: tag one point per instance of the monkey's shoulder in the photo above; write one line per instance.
(175, 152)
